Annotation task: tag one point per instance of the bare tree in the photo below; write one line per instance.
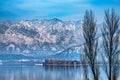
(110, 45)
(90, 49)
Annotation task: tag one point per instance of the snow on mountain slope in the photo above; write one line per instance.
(46, 36)
(41, 39)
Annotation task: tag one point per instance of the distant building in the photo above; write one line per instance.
(61, 63)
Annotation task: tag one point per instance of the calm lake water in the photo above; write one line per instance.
(42, 73)
(39, 73)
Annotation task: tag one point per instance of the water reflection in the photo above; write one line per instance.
(39, 73)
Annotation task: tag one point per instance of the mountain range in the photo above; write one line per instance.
(40, 39)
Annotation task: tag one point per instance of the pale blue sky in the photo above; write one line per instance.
(46, 9)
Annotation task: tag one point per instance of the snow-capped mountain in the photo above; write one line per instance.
(48, 36)
(41, 39)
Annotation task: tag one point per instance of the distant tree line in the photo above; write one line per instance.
(110, 46)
